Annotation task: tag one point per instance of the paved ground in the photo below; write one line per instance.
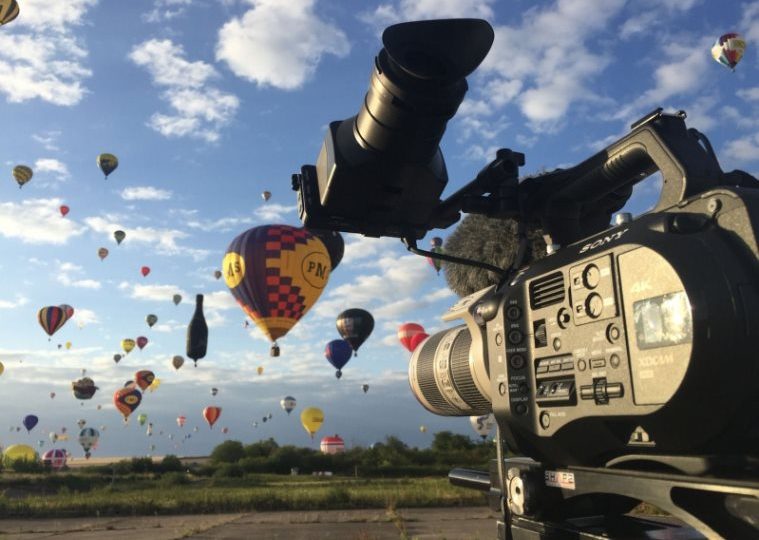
(422, 524)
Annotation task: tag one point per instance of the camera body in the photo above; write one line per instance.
(640, 339)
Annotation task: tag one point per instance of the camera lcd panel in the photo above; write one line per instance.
(662, 321)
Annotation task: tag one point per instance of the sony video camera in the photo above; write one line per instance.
(625, 363)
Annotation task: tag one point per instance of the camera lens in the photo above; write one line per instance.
(448, 377)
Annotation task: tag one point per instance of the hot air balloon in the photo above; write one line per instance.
(41, 443)
(437, 264)
(54, 458)
(154, 385)
(52, 395)
(423, 429)
(22, 174)
(217, 274)
(127, 345)
(408, 330)
(84, 388)
(81, 423)
(141, 342)
(103, 253)
(69, 345)
(436, 241)
(19, 452)
(177, 361)
(145, 270)
(142, 418)
(51, 319)
(99, 407)
(2, 368)
(288, 403)
(211, 414)
(144, 378)
(482, 425)
(119, 236)
(225, 430)
(269, 416)
(53, 436)
(214, 391)
(107, 163)
(181, 420)
(260, 370)
(312, 419)
(117, 358)
(334, 243)
(177, 298)
(9, 10)
(338, 352)
(266, 195)
(365, 388)
(276, 273)
(728, 49)
(151, 320)
(332, 445)
(88, 438)
(68, 310)
(30, 420)
(64, 210)
(354, 326)
(126, 400)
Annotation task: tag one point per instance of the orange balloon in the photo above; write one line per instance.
(211, 414)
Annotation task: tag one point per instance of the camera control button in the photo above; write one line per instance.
(521, 408)
(615, 390)
(516, 361)
(513, 313)
(591, 276)
(594, 305)
(581, 364)
(614, 360)
(586, 392)
(556, 344)
(612, 333)
(597, 363)
(515, 337)
(600, 392)
(545, 420)
(564, 318)
(498, 339)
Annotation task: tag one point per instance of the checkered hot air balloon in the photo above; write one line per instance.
(276, 273)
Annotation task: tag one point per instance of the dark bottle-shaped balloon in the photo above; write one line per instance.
(197, 332)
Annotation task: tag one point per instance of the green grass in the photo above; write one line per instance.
(144, 496)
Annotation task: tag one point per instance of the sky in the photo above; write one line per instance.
(207, 103)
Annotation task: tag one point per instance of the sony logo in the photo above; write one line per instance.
(603, 241)
(656, 360)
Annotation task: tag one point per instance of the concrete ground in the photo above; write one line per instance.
(422, 524)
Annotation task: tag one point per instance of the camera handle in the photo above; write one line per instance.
(705, 506)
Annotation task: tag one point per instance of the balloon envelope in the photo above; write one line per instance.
(338, 352)
(127, 345)
(30, 420)
(211, 414)
(22, 174)
(127, 399)
(19, 452)
(145, 270)
(482, 425)
(141, 342)
(407, 331)
(119, 236)
(102, 253)
(334, 243)
(354, 326)
(177, 298)
(417, 340)
(107, 163)
(55, 458)
(64, 210)
(728, 49)
(84, 388)
(9, 10)
(276, 273)
(151, 320)
(312, 419)
(177, 361)
(288, 403)
(144, 378)
(51, 319)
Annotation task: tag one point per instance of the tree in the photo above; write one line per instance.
(445, 441)
(261, 448)
(228, 452)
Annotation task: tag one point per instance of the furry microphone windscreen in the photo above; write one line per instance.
(488, 240)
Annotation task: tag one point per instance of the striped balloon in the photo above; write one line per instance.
(22, 173)
(51, 319)
(9, 10)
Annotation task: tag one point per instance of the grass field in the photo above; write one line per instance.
(177, 493)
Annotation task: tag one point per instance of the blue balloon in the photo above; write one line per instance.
(30, 421)
(338, 352)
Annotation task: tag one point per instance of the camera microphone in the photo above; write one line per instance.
(490, 240)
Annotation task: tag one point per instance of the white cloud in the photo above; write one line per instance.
(220, 300)
(37, 221)
(40, 57)
(48, 140)
(84, 317)
(273, 211)
(360, 248)
(155, 293)
(13, 304)
(414, 10)
(66, 276)
(651, 15)
(53, 166)
(166, 10)
(145, 193)
(199, 109)
(279, 44)
(744, 150)
(222, 224)
(164, 241)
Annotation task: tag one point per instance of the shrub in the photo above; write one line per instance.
(174, 479)
(228, 452)
(171, 463)
(228, 470)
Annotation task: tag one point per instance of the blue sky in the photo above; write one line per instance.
(209, 102)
